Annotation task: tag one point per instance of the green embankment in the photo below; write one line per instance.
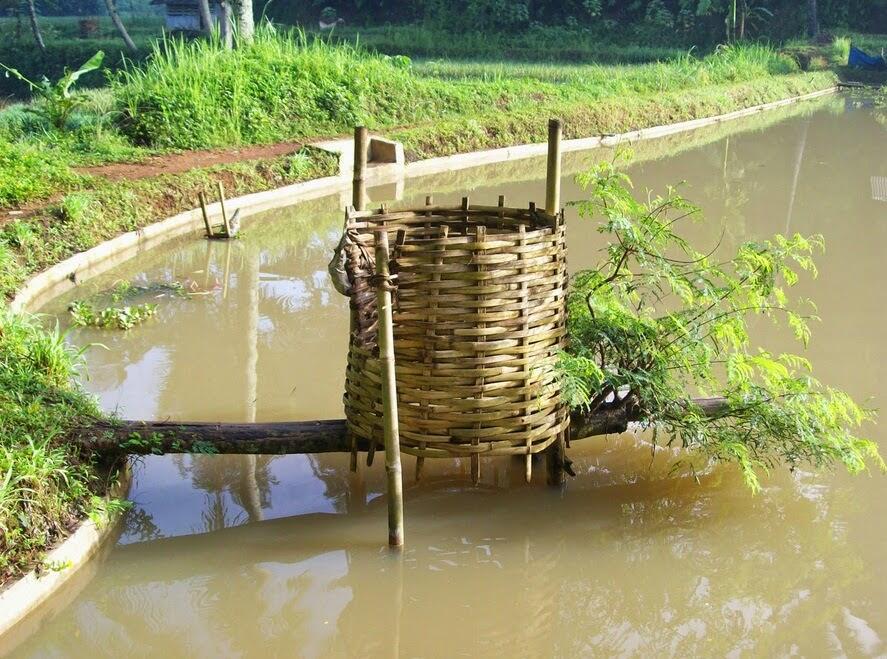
(46, 487)
(280, 88)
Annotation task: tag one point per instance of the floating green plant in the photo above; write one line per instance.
(85, 314)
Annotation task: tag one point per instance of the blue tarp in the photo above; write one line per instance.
(862, 60)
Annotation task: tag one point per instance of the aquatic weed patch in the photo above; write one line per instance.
(109, 309)
(125, 317)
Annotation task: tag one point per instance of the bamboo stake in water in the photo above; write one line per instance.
(389, 393)
(358, 197)
(553, 175)
(209, 228)
(221, 189)
(554, 454)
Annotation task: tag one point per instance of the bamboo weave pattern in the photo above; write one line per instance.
(479, 317)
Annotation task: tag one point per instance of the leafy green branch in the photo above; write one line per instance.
(657, 321)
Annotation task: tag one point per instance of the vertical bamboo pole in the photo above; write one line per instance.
(221, 190)
(554, 454)
(209, 228)
(553, 175)
(480, 236)
(389, 393)
(358, 198)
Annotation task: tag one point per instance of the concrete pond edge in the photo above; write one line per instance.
(30, 592)
(389, 168)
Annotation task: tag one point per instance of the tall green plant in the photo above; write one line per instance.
(58, 100)
(657, 322)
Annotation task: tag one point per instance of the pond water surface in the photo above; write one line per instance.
(286, 556)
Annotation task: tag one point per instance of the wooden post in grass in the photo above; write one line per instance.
(389, 391)
(553, 174)
(358, 199)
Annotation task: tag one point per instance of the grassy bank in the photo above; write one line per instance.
(192, 95)
(286, 87)
(607, 115)
(83, 218)
(46, 487)
(283, 87)
(290, 86)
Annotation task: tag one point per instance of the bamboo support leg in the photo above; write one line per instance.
(221, 190)
(358, 196)
(206, 224)
(389, 393)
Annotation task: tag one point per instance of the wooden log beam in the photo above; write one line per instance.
(616, 421)
(156, 437)
(294, 437)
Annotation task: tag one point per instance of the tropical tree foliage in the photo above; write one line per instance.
(681, 21)
(658, 322)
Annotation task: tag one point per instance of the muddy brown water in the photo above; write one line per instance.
(286, 556)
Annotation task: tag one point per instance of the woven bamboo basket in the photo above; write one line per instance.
(479, 318)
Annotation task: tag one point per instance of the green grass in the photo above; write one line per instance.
(193, 94)
(45, 486)
(606, 116)
(552, 44)
(29, 172)
(726, 65)
(871, 43)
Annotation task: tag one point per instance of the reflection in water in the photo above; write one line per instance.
(268, 556)
(616, 567)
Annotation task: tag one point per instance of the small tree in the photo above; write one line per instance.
(657, 321)
(243, 19)
(35, 26)
(56, 101)
(119, 26)
(206, 17)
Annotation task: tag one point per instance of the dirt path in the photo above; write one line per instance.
(176, 163)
